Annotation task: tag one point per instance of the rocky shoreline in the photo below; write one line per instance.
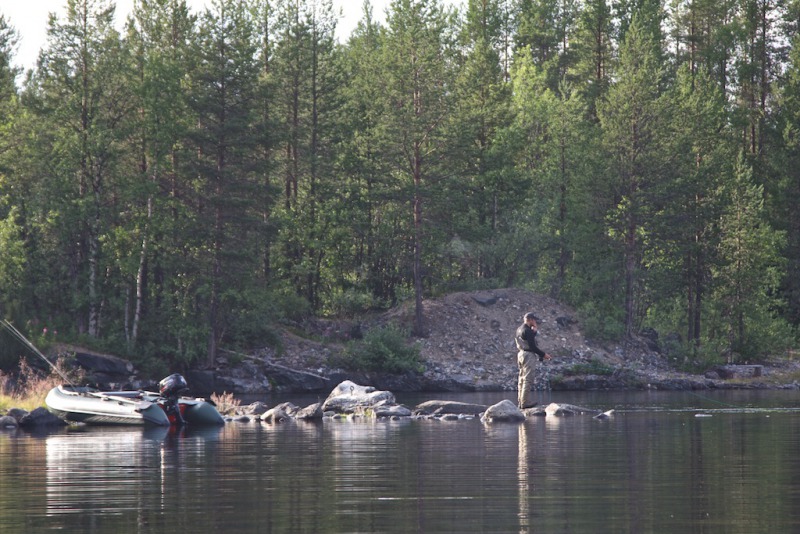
(469, 348)
(254, 376)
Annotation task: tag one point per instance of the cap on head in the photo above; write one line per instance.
(531, 315)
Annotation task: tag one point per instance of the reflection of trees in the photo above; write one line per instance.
(21, 475)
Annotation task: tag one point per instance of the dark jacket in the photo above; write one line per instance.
(525, 338)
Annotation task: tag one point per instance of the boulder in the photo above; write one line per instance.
(440, 407)
(310, 412)
(289, 408)
(103, 363)
(393, 411)
(17, 413)
(275, 415)
(349, 397)
(485, 299)
(255, 408)
(40, 417)
(503, 411)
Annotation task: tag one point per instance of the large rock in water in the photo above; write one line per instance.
(503, 411)
(40, 417)
(349, 397)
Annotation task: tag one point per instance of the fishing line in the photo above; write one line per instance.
(22, 339)
(544, 386)
(716, 401)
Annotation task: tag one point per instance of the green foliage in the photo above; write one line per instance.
(252, 321)
(383, 349)
(352, 302)
(184, 187)
(12, 261)
(10, 350)
(603, 324)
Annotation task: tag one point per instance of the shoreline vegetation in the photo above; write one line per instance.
(604, 154)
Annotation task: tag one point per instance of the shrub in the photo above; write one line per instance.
(382, 349)
(352, 302)
(226, 403)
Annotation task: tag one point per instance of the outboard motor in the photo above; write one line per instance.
(171, 388)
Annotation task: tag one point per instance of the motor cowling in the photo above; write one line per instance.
(172, 386)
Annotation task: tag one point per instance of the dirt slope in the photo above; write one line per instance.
(470, 341)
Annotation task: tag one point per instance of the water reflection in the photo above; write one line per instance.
(524, 479)
(102, 471)
(662, 470)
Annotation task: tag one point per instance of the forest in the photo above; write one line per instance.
(193, 180)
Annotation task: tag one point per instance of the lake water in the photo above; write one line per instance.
(665, 462)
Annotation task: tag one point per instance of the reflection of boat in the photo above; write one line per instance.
(87, 405)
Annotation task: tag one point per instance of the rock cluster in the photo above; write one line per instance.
(351, 400)
(38, 418)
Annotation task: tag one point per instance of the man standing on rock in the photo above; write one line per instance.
(526, 358)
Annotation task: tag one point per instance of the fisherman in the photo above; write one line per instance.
(529, 352)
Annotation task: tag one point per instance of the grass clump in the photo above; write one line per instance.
(593, 367)
(28, 389)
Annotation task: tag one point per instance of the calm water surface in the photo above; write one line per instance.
(665, 462)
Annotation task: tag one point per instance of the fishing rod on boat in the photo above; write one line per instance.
(30, 346)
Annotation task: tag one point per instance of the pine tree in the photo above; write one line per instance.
(81, 88)
(160, 33)
(480, 113)
(305, 73)
(750, 268)
(687, 205)
(224, 96)
(415, 82)
(593, 51)
(630, 119)
(13, 257)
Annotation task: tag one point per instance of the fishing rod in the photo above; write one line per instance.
(22, 339)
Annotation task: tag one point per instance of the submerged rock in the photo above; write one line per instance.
(8, 422)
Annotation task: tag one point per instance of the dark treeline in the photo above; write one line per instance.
(182, 185)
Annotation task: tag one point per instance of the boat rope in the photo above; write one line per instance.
(22, 339)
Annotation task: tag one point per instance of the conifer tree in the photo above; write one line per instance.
(415, 83)
(224, 96)
(83, 102)
(750, 266)
(631, 121)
